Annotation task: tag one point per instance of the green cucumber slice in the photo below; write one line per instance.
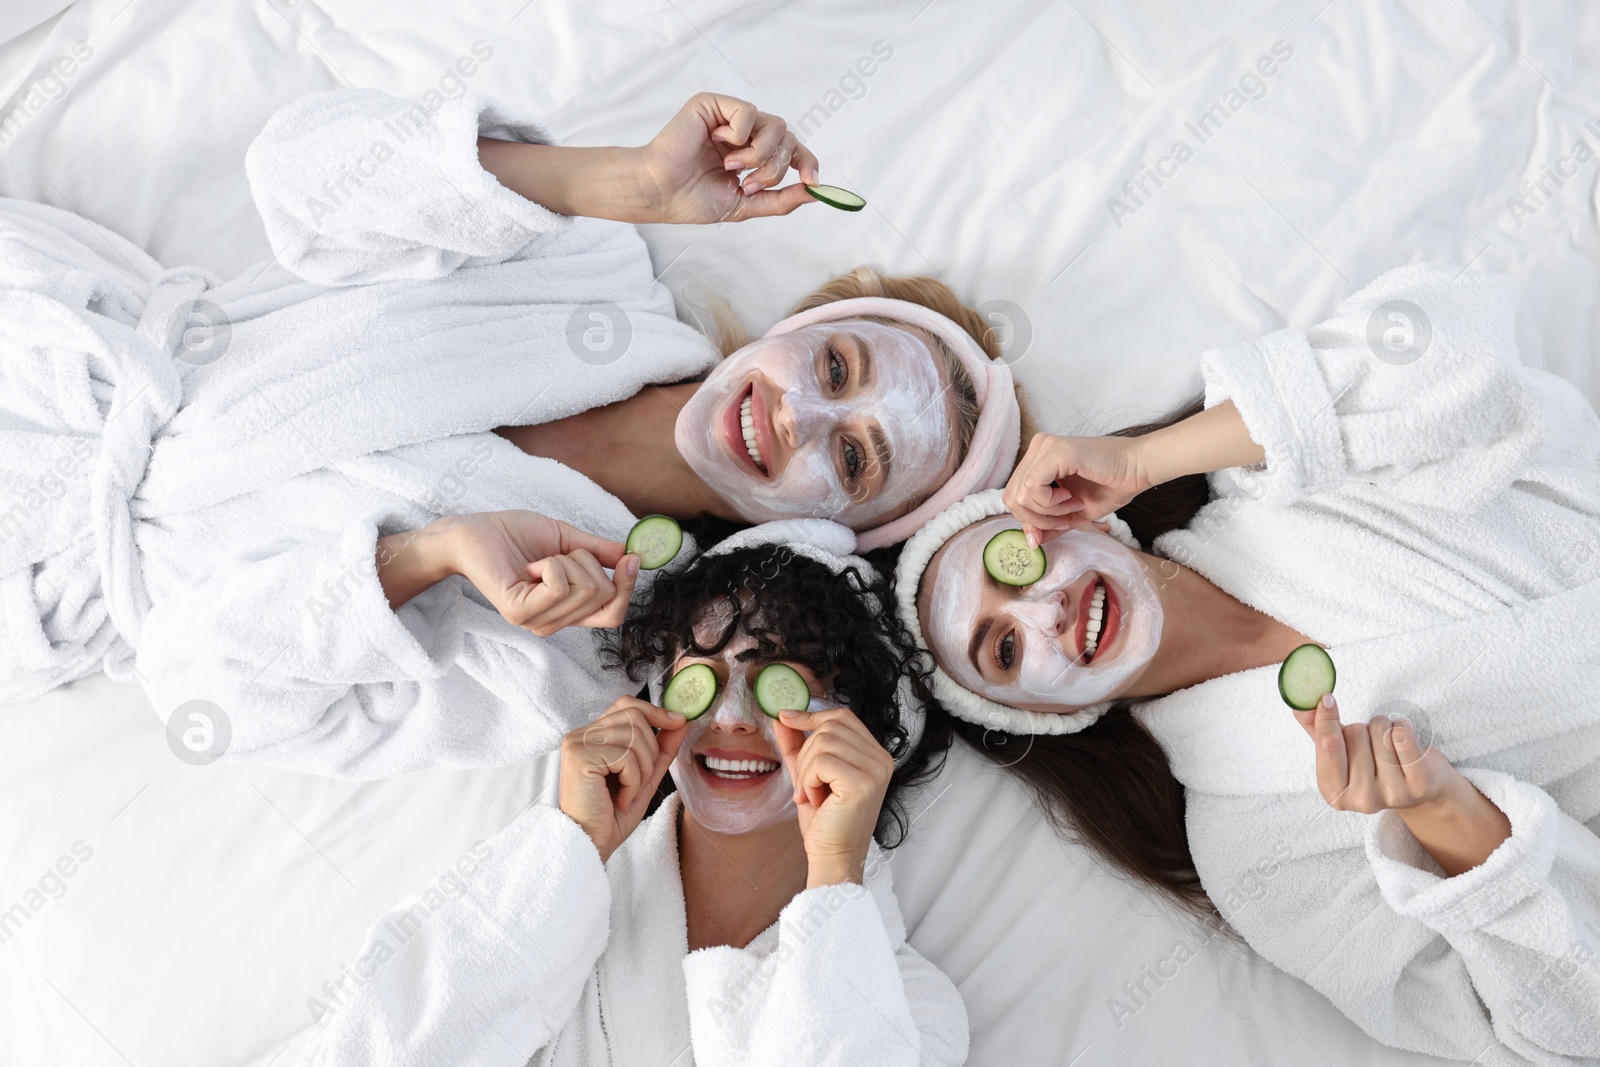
(833, 196)
(691, 691)
(780, 688)
(655, 539)
(1010, 560)
(1307, 675)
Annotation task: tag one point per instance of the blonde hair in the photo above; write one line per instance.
(931, 293)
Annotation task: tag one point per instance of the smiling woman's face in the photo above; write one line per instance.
(1080, 635)
(728, 771)
(849, 420)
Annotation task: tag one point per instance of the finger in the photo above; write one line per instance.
(772, 168)
(1380, 730)
(790, 741)
(540, 604)
(588, 589)
(766, 141)
(671, 742)
(1333, 763)
(571, 539)
(806, 163)
(631, 775)
(811, 783)
(561, 586)
(1393, 788)
(770, 202)
(1407, 747)
(737, 118)
(1363, 771)
(614, 612)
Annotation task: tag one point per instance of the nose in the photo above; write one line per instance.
(1045, 616)
(736, 712)
(801, 416)
(785, 423)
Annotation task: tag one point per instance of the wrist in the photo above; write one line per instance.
(835, 869)
(601, 183)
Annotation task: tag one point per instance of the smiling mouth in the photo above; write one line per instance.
(747, 425)
(1100, 617)
(735, 770)
(739, 428)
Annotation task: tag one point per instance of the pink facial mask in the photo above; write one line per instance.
(907, 399)
(1044, 671)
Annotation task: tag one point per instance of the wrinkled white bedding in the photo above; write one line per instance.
(215, 902)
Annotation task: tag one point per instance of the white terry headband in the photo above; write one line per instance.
(993, 450)
(832, 545)
(961, 701)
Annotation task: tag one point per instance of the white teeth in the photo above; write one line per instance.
(738, 768)
(1097, 612)
(748, 425)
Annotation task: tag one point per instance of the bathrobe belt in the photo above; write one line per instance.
(147, 393)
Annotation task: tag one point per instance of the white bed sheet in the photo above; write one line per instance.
(218, 901)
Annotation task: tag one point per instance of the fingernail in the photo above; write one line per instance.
(1033, 539)
(631, 565)
(1329, 703)
(731, 164)
(675, 716)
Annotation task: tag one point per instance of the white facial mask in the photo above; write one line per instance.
(1044, 672)
(907, 399)
(741, 811)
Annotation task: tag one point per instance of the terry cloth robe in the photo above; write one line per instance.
(195, 473)
(1434, 521)
(533, 948)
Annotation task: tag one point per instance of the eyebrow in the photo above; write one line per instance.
(881, 450)
(869, 372)
(977, 640)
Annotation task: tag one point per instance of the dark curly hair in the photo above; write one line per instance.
(842, 626)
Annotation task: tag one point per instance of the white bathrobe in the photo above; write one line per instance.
(195, 473)
(1436, 523)
(531, 947)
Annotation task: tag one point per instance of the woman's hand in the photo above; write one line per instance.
(690, 170)
(840, 774)
(1063, 483)
(540, 573)
(1381, 765)
(610, 769)
(1373, 766)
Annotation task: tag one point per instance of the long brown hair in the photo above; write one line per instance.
(1110, 787)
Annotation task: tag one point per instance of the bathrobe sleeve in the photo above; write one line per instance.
(839, 987)
(1501, 957)
(1415, 384)
(356, 185)
(485, 966)
(301, 655)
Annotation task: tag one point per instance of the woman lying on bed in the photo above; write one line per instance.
(1392, 485)
(241, 484)
(750, 919)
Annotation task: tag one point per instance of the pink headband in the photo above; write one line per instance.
(993, 450)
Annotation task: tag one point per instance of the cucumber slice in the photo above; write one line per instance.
(1307, 675)
(1010, 560)
(780, 688)
(691, 691)
(833, 196)
(655, 539)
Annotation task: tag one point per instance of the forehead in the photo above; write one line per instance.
(958, 561)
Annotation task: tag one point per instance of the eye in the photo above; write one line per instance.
(838, 371)
(1005, 651)
(852, 459)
